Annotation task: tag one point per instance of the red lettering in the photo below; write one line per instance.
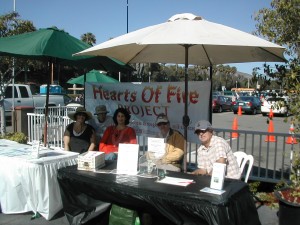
(150, 92)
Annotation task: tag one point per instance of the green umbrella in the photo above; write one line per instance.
(55, 45)
(50, 45)
(92, 76)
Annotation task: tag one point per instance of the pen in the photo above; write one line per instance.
(187, 182)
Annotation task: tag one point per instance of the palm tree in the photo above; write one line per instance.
(88, 38)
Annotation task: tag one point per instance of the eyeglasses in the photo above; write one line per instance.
(162, 124)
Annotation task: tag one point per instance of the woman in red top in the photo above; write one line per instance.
(120, 133)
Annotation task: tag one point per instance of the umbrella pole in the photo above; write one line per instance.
(210, 96)
(47, 105)
(186, 119)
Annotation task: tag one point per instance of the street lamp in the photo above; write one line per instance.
(236, 84)
(127, 16)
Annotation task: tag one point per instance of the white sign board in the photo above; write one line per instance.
(218, 176)
(35, 149)
(128, 159)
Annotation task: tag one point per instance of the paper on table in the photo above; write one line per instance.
(176, 181)
(212, 191)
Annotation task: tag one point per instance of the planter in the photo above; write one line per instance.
(289, 212)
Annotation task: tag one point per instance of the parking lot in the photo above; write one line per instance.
(256, 122)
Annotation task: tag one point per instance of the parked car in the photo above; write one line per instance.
(217, 93)
(279, 106)
(25, 97)
(249, 104)
(230, 94)
(221, 103)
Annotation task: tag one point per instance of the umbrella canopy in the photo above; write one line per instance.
(209, 44)
(100, 62)
(50, 45)
(57, 46)
(44, 43)
(188, 39)
(92, 76)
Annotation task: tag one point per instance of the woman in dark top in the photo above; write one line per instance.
(79, 136)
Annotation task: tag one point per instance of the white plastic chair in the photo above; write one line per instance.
(242, 159)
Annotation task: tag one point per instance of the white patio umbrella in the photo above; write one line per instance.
(188, 39)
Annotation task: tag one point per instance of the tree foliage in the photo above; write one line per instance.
(280, 23)
(11, 24)
(88, 38)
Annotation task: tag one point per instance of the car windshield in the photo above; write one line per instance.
(244, 98)
(275, 99)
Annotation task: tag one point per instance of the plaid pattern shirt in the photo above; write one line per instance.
(218, 148)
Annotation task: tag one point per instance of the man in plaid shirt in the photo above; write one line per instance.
(214, 149)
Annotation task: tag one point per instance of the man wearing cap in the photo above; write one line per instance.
(214, 149)
(101, 122)
(174, 143)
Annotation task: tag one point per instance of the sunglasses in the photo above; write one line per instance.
(162, 124)
(201, 132)
(81, 114)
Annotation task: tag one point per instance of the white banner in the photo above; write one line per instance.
(146, 100)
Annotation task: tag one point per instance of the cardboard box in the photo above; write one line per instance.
(91, 160)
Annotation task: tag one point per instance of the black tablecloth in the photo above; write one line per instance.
(175, 204)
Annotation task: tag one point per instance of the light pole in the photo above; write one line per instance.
(127, 16)
(236, 84)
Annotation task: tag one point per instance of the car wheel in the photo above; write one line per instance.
(235, 112)
(264, 114)
(287, 114)
(220, 109)
(254, 112)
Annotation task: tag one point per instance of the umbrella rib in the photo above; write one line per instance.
(210, 63)
(134, 56)
(281, 59)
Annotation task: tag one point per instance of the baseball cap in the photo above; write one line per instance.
(162, 118)
(202, 125)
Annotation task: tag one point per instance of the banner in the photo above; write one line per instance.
(145, 101)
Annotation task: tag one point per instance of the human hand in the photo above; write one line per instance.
(199, 172)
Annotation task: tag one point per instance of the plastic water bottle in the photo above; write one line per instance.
(137, 221)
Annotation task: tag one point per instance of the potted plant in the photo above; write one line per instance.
(289, 196)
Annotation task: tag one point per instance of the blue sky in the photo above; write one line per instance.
(108, 18)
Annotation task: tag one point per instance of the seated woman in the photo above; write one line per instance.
(119, 133)
(79, 136)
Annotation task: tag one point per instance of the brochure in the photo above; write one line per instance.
(176, 181)
(212, 191)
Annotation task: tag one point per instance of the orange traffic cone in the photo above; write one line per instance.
(271, 115)
(234, 127)
(291, 139)
(270, 138)
(239, 110)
